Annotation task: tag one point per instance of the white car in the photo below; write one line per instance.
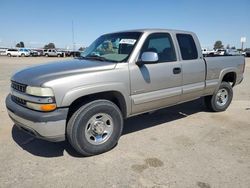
(18, 52)
(207, 52)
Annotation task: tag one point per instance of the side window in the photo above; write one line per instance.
(187, 46)
(162, 44)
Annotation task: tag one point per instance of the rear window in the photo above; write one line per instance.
(187, 46)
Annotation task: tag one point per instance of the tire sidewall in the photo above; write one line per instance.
(228, 87)
(80, 124)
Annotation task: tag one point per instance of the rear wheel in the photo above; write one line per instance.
(9, 54)
(95, 127)
(221, 98)
(22, 55)
(47, 55)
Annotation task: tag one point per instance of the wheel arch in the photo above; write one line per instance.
(228, 75)
(114, 96)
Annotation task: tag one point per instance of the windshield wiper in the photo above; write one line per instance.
(98, 58)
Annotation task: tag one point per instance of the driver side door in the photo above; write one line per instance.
(159, 84)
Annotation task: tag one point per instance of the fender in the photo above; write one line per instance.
(78, 92)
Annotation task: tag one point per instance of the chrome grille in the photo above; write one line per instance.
(19, 87)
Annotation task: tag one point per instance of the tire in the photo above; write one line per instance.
(58, 55)
(221, 99)
(95, 127)
(22, 55)
(9, 54)
(47, 55)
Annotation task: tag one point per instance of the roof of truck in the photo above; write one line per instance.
(152, 30)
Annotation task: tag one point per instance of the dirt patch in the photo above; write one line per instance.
(149, 162)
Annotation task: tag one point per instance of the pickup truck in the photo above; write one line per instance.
(52, 53)
(119, 75)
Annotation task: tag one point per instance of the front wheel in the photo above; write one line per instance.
(95, 127)
(221, 98)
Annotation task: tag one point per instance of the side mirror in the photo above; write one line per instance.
(148, 58)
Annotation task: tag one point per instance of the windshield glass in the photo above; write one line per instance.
(115, 47)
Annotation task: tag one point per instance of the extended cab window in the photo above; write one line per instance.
(187, 46)
(162, 44)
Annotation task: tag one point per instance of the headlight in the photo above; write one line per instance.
(40, 91)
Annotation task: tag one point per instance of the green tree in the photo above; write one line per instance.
(21, 44)
(218, 45)
(51, 45)
(81, 49)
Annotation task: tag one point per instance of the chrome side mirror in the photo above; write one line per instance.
(148, 58)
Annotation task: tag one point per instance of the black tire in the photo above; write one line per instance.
(211, 101)
(78, 123)
(47, 55)
(22, 55)
(9, 54)
(58, 55)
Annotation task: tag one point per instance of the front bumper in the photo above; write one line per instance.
(45, 125)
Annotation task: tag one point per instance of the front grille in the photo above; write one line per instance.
(18, 100)
(19, 87)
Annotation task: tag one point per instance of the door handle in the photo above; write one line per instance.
(177, 70)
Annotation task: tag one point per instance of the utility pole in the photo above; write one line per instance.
(242, 40)
(73, 36)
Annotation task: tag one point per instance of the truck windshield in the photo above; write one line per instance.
(115, 47)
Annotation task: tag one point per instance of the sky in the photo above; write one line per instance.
(37, 23)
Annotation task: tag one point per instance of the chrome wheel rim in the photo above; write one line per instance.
(99, 128)
(222, 97)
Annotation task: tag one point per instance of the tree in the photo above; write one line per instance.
(218, 45)
(51, 45)
(20, 45)
(81, 49)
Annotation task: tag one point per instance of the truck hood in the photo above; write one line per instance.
(37, 75)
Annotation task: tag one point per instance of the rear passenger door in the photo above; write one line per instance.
(159, 84)
(193, 66)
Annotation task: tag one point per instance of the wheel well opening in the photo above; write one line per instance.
(230, 77)
(113, 96)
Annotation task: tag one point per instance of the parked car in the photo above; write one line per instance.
(232, 52)
(35, 53)
(52, 53)
(207, 52)
(246, 52)
(18, 52)
(75, 54)
(220, 52)
(120, 75)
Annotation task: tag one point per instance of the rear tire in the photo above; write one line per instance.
(47, 55)
(22, 55)
(95, 127)
(9, 54)
(221, 99)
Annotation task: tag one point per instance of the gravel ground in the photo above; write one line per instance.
(181, 146)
